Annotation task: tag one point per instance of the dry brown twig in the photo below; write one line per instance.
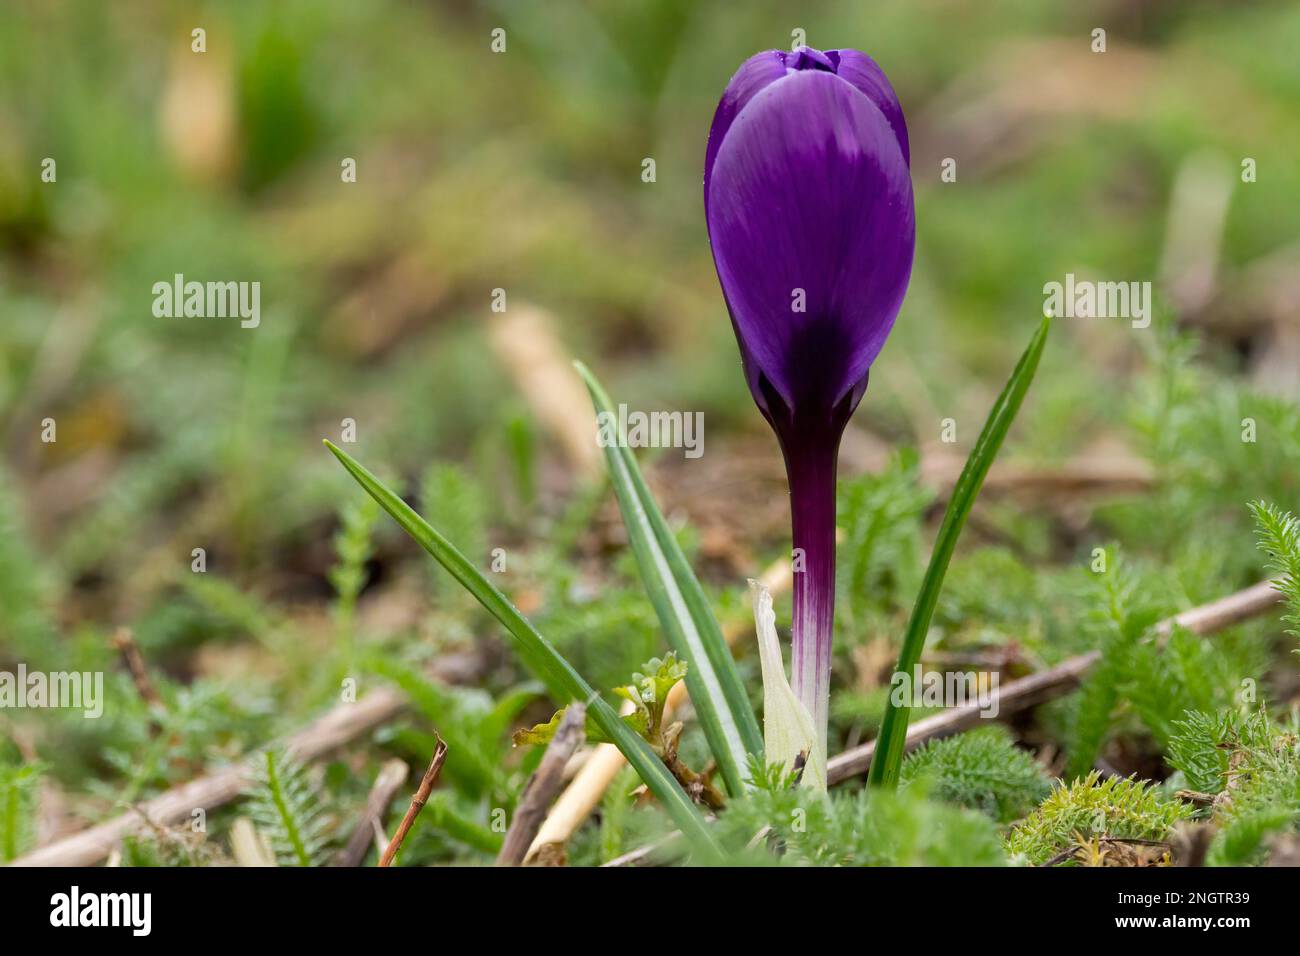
(543, 785)
(369, 828)
(124, 643)
(418, 801)
(1027, 692)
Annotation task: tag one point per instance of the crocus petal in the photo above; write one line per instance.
(763, 69)
(809, 192)
(862, 72)
(756, 73)
(789, 737)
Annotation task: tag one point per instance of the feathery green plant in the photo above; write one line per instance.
(1253, 768)
(352, 549)
(1091, 807)
(289, 811)
(982, 770)
(1279, 536)
(615, 810)
(1203, 745)
(880, 515)
(1117, 624)
(1188, 672)
(775, 824)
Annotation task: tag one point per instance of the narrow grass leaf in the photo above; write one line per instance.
(716, 690)
(558, 674)
(893, 729)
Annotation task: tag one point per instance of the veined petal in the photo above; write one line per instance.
(789, 737)
(763, 69)
(860, 70)
(809, 204)
(755, 74)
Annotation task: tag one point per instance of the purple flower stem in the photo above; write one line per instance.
(810, 461)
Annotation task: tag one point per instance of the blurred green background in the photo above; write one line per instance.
(522, 171)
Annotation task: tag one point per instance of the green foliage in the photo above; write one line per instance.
(449, 816)
(1254, 768)
(1279, 537)
(1153, 677)
(167, 847)
(992, 596)
(542, 658)
(982, 770)
(1092, 807)
(1117, 621)
(174, 434)
(276, 103)
(616, 816)
(19, 788)
(795, 827)
(893, 729)
(648, 693)
(1188, 672)
(24, 587)
(475, 727)
(1203, 745)
(454, 503)
(230, 607)
(112, 523)
(521, 451)
(152, 748)
(289, 811)
(352, 549)
(606, 634)
(772, 777)
(649, 689)
(1189, 422)
(877, 559)
(720, 700)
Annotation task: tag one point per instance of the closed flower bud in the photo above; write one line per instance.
(808, 201)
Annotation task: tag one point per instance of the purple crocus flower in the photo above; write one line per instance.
(808, 199)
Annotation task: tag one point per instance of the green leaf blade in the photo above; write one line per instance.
(893, 729)
(559, 675)
(716, 690)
